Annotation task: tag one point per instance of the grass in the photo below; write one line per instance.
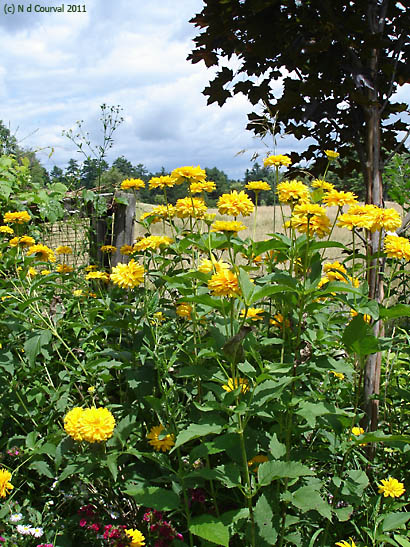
(265, 225)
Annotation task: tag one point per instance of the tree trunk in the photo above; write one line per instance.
(376, 291)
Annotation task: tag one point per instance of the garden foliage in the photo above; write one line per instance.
(209, 389)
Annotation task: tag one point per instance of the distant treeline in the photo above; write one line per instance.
(94, 173)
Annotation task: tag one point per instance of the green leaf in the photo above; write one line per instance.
(34, 345)
(211, 529)
(310, 411)
(393, 521)
(307, 499)
(246, 285)
(196, 430)
(229, 475)
(402, 541)
(263, 515)
(344, 513)
(155, 497)
(358, 337)
(273, 470)
(268, 290)
(112, 465)
(277, 449)
(355, 483)
(400, 310)
(42, 468)
(71, 469)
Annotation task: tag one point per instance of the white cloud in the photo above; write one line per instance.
(58, 68)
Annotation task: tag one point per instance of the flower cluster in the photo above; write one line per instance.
(90, 424)
(161, 531)
(42, 252)
(152, 243)
(293, 191)
(160, 441)
(128, 276)
(18, 217)
(277, 161)
(235, 204)
(5, 484)
(134, 184)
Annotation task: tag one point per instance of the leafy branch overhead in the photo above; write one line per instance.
(322, 54)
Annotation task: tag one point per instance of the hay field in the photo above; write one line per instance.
(265, 224)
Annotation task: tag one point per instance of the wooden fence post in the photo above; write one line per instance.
(123, 230)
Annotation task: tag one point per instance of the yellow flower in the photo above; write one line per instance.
(19, 217)
(31, 272)
(6, 230)
(235, 203)
(78, 292)
(252, 313)
(329, 266)
(277, 161)
(224, 283)
(91, 389)
(318, 225)
(346, 544)
(322, 184)
(136, 184)
(350, 221)
(104, 276)
(42, 252)
(212, 265)
(158, 317)
(357, 431)
(64, 268)
(190, 207)
(257, 185)
(397, 247)
(292, 191)
(164, 181)
(309, 209)
(198, 187)
(278, 321)
(96, 425)
(89, 424)
(127, 250)
(91, 268)
(260, 458)
(366, 317)
(64, 250)
(236, 383)
(152, 242)
(24, 241)
(160, 212)
(331, 154)
(336, 198)
(45, 272)
(108, 249)
(159, 440)
(72, 421)
(128, 275)
(389, 219)
(391, 487)
(339, 376)
(5, 483)
(137, 539)
(193, 174)
(233, 226)
(184, 310)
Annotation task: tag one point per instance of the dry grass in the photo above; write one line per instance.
(269, 220)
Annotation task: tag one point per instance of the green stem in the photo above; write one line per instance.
(248, 493)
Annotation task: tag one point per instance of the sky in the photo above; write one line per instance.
(58, 68)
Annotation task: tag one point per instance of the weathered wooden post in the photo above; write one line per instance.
(123, 230)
